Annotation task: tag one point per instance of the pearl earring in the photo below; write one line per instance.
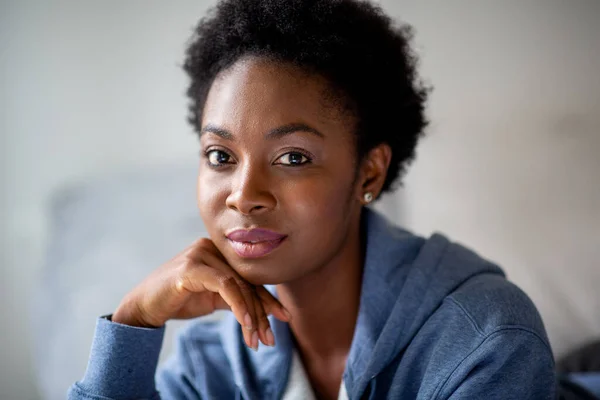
(368, 197)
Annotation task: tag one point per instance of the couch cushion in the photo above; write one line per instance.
(106, 234)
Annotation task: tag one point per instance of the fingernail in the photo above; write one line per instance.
(255, 340)
(248, 321)
(270, 337)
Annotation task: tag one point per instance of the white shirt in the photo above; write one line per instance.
(298, 386)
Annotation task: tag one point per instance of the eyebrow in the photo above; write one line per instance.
(275, 133)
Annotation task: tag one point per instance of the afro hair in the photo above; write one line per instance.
(361, 52)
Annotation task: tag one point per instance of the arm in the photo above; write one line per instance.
(510, 363)
(195, 283)
(122, 363)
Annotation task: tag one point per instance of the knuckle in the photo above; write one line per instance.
(186, 266)
(183, 283)
(204, 244)
(201, 249)
(183, 275)
(227, 282)
(245, 288)
(187, 278)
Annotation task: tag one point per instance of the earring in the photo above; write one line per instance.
(368, 197)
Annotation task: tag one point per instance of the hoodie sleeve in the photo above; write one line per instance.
(510, 363)
(122, 363)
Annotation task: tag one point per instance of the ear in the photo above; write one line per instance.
(373, 171)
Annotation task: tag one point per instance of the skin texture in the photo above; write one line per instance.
(278, 153)
(245, 181)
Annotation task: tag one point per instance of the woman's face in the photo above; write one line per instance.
(276, 184)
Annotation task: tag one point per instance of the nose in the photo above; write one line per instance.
(250, 193)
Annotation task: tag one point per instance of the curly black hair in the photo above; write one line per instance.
(365, 57)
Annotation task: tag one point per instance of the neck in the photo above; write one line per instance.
(324, 304)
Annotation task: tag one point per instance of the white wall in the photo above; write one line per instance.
(512, 163)
(88, 87)
(511, 166)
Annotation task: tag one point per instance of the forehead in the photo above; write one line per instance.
(263, 94)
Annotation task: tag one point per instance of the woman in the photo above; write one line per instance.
(307, 111)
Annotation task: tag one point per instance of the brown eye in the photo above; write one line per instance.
(218, 157)
(293, 159)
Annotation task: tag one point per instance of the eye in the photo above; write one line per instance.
(292, 158)
(217, 158)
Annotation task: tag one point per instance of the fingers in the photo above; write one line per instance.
(200, 278)
(196, 245)
(202, 247)
(231, 292)
(272, 305)
(264, 327)
(249, 321)
(269, 305)
(250, 304)
(200, 304)
(251, 328)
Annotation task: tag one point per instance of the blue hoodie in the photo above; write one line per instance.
(435, 321)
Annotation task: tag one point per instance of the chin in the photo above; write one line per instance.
(257, 274)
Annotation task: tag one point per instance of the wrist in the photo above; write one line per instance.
(126, 314)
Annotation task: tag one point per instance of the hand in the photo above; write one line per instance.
(197, 282)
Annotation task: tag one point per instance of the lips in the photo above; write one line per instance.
(254, 243)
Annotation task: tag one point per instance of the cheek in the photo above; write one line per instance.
(318, 199)
(319, 205)
(210, 194)
(321, 212)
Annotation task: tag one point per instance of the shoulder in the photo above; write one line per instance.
(492, 303)
(497, 331)
(494, 327)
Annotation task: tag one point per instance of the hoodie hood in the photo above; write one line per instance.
(405, 280)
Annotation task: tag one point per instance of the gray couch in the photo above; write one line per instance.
(106, 235)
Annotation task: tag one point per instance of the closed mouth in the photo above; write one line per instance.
(254, 243)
